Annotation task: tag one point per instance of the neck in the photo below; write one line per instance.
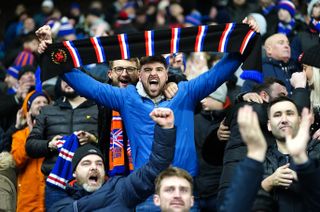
(282, 147)
(75, 102)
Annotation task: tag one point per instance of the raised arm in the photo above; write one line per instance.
(249, 172)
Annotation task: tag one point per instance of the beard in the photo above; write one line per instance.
(70, 95)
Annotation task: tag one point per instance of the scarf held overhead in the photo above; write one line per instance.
(231, 37)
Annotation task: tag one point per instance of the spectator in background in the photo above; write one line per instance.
(8, 184)
(278, 62)
(239, 9)
(47, 7)
(269, 10)
(10, 104)
(31, 181)
(70, 113)
(311, 66)
(28, 55)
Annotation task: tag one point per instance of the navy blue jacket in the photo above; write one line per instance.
(124, 193)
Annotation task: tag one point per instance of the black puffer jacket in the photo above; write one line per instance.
(59, 119)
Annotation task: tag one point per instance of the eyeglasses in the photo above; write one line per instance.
(120, 69)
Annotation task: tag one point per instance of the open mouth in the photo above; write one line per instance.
(93, 179)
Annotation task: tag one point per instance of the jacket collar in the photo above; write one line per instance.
(143, 93)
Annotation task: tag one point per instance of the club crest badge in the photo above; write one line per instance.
(59, 56)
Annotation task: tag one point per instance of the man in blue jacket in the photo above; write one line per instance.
(91, 192)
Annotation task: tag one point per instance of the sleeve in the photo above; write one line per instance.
(137, 186)
(301, 97)
(247, 178)
(308, 175)
(101, 93)
(8, 105)
(18, 149)
(36, 145)
(209, 81)
(140, 184)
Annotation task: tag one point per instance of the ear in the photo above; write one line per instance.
(156, 199)
(192, 201)
(269, 126)
(268, 49)
(264, 95)
(109, 74)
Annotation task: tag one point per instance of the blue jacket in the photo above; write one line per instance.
(277, 69)
(135, 109)
(123, 193)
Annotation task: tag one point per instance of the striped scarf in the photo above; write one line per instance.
(117, 157)
(315, 25)
(286, 28)
(231, 37)
(62, 170)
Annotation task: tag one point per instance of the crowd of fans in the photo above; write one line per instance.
(44, 124)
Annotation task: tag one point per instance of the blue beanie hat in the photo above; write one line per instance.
(34, 96)
(287, 5)
(14, 71)
(193, 18)
(66, 28)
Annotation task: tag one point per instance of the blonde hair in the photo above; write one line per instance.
(6, 161)
(315, 92)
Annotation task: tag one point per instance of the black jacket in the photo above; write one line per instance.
(59, 119)
(281, 199)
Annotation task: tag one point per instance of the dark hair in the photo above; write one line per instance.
(266, 85)
(153, 59)
(281, 99)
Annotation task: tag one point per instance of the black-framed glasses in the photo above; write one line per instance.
(120, 69)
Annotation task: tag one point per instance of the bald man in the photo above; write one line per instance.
(277, 63)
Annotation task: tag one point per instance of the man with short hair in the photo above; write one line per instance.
(174, 188)
(91, 191)
(281, 188)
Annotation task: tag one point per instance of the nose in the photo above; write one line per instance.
(124, 73)
(284, 118)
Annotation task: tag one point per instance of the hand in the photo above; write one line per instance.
(85, 137)
(53, 144)
(297, 145)
(30, 122)
(283, 176)
(252, 97)
(20, 120)
(223, 132)
(298, 79)
(23, 89)
(251, 133)
(44, 35)
(170, 90)
(252, 23)
(210, 104)
(163, 117)
(316, 135)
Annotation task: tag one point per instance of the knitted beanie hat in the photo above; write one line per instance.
(287, 5)
(82, 151)
(311, 56)
(66, 28)
(14, 71)
(194, 18)
(31, 96)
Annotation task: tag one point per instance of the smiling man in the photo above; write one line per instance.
(281, 188)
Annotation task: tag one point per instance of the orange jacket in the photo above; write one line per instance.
(31, 182)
